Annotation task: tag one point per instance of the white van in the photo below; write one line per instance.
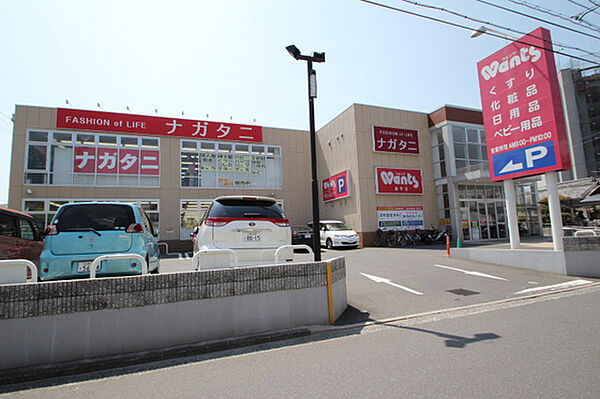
(335, 233)
(253, 227)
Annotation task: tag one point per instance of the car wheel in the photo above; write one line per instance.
(329, 243)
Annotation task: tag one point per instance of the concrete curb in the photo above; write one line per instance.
(131, 359)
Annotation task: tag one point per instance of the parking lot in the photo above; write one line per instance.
(385, 283)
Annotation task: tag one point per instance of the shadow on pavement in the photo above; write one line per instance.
(452, 341)
(352, 315)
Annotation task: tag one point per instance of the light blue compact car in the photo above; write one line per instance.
(80, 232)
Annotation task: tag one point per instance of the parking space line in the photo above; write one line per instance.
(456, 269)
(567, 284)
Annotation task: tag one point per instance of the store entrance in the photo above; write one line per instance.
(483, 219)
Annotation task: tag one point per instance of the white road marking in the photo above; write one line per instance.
(567, 284)
(389, 282)
(456, 269)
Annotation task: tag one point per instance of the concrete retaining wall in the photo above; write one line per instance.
(581, 257)
(53, 322)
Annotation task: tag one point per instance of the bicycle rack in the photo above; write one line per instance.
(100, 258)
(8, 276)
(198, 256)
(282, 248)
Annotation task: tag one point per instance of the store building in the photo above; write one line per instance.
(444, 150)
(172, 167)
(379, 167)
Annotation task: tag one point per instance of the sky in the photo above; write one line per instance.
(226, 60)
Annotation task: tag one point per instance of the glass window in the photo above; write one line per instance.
(26, 229)
(472, 136)
(69, 164)
(8, 225)
(458, 134)
(62, 138)
(38, 136)
(188, 145)
(86, 139)
(129, 141)
(474, 152)
(36, 157)
(34, 206)
(459, 150)
(150, 143)
(233, 165)
(482, 136)
(107, 140)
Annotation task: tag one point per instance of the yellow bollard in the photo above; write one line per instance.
(330, 295)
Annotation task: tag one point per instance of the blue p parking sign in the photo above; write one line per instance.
(524, 159)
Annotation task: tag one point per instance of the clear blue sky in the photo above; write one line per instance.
(228, 59)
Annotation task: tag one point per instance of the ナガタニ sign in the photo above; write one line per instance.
(522, 110)
(400, 141)
(142, 124)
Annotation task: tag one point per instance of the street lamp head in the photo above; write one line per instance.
(294, 52)
(318, 57)
(478, 32)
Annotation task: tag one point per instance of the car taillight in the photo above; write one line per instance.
(295, 235)
(51, 230)
(217, 222)
(135, 228)
(281, 222)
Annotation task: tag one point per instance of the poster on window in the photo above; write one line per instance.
(400, 218)
(122, 161)
(398, 181)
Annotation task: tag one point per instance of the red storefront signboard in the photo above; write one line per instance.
(336, 187)
(522, 110)
(399, 141)
(142, 124)
(116, 161)
(398, 181)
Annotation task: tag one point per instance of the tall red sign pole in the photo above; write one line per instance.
(524, 122)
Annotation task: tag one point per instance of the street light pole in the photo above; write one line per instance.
(312, 94)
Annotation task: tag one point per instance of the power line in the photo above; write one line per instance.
(576, 21)
(584, 6)
(538, 19)
(495, 25)
(471, 29)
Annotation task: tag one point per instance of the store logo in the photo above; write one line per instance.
(490, 71)
(405, 180)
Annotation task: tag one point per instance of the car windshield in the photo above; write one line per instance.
(245, 209)
(99, 217)
(337, 226)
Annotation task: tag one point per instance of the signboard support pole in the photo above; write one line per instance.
(511, 213)
(554, 208)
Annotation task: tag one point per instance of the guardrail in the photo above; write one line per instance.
(100, 258)
(8, 276)
(282, 248)
(203, 253)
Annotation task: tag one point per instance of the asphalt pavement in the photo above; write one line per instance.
(542, 347)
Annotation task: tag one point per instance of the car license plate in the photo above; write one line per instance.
(251, 237)
(307, 235)
(85, 266)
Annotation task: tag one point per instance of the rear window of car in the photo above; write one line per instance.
(245, 209)
(100, 217)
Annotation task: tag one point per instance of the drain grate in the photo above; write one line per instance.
(463, 292)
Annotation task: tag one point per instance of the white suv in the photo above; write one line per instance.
(334, 233)
(253, 227)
